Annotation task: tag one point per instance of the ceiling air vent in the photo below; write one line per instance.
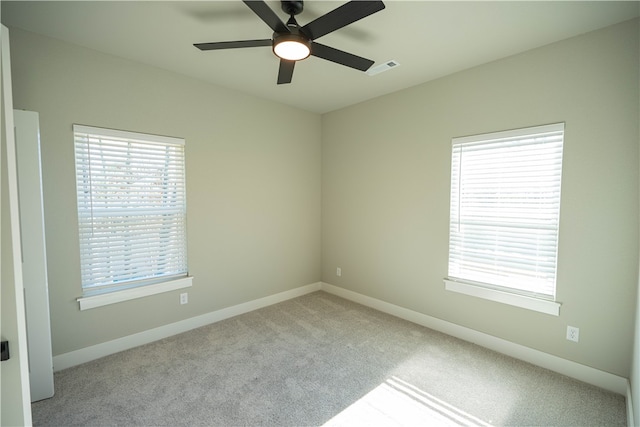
(382, 67)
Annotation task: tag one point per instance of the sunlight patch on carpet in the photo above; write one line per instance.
(396, 402)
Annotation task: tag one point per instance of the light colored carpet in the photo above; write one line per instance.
(315, 360)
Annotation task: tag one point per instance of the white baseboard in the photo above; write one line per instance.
(83, 355)
(630, 413)
(571, 369)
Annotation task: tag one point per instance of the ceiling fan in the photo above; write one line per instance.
(291, 42)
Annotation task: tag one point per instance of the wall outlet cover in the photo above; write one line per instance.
(573, 333)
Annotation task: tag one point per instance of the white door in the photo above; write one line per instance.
(15, 408)
(34, 259)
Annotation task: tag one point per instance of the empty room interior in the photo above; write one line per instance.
(324, 208)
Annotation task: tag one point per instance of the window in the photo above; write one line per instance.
(131, 213)
(504, 215)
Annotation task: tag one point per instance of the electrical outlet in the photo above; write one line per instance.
(338, 272)
(573, 333)
(184, 298)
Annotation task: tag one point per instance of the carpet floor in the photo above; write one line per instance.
(320, 360)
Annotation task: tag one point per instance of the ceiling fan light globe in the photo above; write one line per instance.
(291, 47)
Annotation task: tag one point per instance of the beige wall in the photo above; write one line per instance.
(253, 183)
(256, 189)
(385, 193)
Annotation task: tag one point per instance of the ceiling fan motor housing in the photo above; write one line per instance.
(294, 38)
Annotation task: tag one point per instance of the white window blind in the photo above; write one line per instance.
(505, 205)
(131, 208)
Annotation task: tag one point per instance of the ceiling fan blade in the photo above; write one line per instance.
(285, 73)
(341, 17)
(265, 13)
(233, 45)
(340, 57)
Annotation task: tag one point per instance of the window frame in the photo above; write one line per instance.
(543, 302)
(152, 281)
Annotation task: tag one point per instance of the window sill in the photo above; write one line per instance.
(133, 293)
(530, 303)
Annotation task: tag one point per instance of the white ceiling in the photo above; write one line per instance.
(429, 39)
